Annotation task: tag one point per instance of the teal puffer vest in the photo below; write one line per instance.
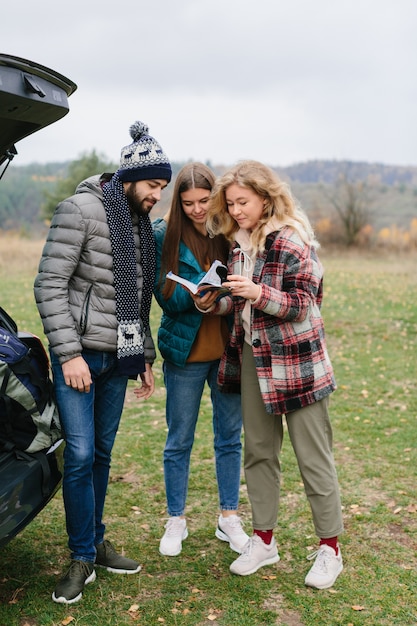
(180, 319)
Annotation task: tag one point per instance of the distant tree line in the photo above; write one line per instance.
(348, 203)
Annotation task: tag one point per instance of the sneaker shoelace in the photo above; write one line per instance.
(248, 547)
(174, 527)
(79, 567)
(323, 557)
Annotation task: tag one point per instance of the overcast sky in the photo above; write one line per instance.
(281, 81)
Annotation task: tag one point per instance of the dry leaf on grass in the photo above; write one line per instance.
(67, 620)
(213, 614)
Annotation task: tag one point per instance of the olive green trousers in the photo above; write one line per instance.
(311, 437)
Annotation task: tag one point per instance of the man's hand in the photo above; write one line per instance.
(77, 374)
(148, 384)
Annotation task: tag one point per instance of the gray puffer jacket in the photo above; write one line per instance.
(74, 288)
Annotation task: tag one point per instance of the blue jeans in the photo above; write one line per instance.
(184, 386)
(90, 422)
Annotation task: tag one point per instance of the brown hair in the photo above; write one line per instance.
(180, 227)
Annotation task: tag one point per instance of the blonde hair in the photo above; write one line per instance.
(280, 205)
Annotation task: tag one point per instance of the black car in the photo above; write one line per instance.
(31, 97)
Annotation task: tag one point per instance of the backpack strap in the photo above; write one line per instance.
(24, 366)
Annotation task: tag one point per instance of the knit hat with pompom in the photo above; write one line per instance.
(143, 159)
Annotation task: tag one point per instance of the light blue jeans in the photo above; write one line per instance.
(184, 386)
(90, 422)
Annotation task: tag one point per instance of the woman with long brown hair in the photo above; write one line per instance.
(191, 345)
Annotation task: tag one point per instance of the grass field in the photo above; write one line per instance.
(370, 311)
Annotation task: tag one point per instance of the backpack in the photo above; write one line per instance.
(29, 419)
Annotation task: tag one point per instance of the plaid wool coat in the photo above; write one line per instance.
(287, 332)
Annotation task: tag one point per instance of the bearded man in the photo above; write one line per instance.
(93, 292)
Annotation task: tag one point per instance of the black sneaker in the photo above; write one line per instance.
(70, 587)
(113, 562)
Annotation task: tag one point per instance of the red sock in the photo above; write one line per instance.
(332, 542)
(265, 535)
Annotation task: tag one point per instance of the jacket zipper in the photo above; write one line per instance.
(84, 312)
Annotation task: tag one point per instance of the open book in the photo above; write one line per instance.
(213, 279)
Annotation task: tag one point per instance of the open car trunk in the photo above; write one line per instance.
(31, 97)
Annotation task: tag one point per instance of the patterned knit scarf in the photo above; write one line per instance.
(132, 318)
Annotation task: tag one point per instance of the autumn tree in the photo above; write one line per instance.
(350, 199)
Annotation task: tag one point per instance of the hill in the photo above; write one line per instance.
(391, 190)
(328, 171)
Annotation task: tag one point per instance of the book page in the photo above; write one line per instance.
(211, 280)
(215, 275)
(183, 281)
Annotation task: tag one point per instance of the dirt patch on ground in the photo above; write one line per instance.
(285, 617)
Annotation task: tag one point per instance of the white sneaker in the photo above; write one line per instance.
(326, 568)
(176, 531)
(230, 529)
(255, 554)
